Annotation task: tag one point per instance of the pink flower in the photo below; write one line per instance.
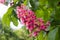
(48, 23)
(2, 1)
(43, 27)
(35, 33)
(41, 20)
(33, 24)
(12, 3)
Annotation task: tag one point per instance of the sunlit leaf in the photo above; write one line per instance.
(6, 18)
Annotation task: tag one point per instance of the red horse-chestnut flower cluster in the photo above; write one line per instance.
(28, 18)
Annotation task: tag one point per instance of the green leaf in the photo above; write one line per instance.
(10, 15)
(39, 13)
(25, 2)
(14, 20)
(52, 34)
(15, 1)
(46, 15)
(56, 20)
(53, 3)
(57, 14)
(58, 34)
(42, 2)
(43, 14)
(34, 4)
(46, 37)
(40, 36)
(6, 18)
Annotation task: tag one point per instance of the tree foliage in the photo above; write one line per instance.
(46, 9)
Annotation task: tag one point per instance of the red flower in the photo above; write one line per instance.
(28, 17)
(35, 33)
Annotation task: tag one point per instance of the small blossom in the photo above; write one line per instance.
(48, 23)
(35, 33)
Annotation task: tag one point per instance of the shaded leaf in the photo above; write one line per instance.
(52, 34)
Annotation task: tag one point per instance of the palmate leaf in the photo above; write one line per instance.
(54, 34)
(6, 18)
(56, 20)
(43, 11)
(57, 16)
(14, 20)
(9, 16)
(58, 34)
(39, 13)
(51, 36)
(43, 14)
(46, 15)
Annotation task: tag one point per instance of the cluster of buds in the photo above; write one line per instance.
(29, 19)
